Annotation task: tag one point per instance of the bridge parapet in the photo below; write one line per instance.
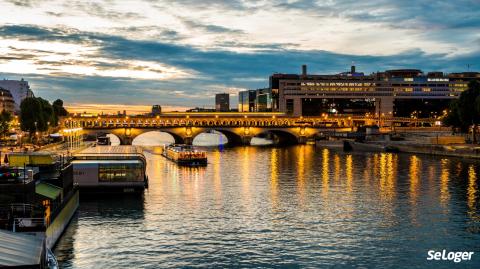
(240, 127)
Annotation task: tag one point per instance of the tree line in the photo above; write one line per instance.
(37, 114)
(464, 112)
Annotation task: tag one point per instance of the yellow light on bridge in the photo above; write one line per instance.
(71, 130)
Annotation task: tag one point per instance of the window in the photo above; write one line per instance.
(289, 106)
(121, 172)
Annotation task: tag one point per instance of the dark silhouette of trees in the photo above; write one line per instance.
(465, 111)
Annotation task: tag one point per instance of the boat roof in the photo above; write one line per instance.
(111, 153)
(18, 249)
(105, 161)
(114, 150)
(183, 147)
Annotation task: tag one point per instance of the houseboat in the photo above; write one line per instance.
(110, 169)
(185, 155)
(37, 197)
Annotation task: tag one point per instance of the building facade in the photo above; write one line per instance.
(259, 100)
(6, 101)
(246, 101)
(401, 93)
(19, 90)
(222, 102)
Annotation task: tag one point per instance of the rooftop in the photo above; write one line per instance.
(17, 249)
(111, 150)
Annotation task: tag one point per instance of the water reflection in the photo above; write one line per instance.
(472, 196)
(444, 180)
(298, 206)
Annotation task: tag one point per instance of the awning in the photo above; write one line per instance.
(18, 249)
(48, 190)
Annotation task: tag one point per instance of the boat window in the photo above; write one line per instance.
(120, 172)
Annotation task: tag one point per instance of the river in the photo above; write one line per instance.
(295, 207)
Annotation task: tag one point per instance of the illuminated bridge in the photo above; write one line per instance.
(239, 128)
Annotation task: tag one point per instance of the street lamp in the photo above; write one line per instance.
(36, 133)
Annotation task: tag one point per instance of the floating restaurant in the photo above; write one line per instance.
(110, 169)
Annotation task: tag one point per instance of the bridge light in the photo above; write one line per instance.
(273, 117)
(245, 116)
(216, 116)
(126, 117)
(158, 117)
(188, 116)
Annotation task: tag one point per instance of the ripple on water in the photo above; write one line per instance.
(289, 207)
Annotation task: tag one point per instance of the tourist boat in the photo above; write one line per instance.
(185, 155)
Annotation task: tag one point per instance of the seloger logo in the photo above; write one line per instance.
(455, 256)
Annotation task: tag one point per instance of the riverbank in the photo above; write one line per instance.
(429, 144)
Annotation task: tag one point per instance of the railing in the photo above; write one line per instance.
(29, 224)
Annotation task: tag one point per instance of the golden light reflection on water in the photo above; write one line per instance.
(414, 175)
(242, 179)
(245, 160)
(301, 174)
(444, 181)
(367, 171)
(274, 176)
(472, 192)
(349, 172)
(325, 172)
(217, 175)
(336, 163)
(415, 168)
(387, 170)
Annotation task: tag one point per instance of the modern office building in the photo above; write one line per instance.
(259, 100)
(222, 102)
(402, 93)
(263, 100)
(6, 101)
(19, 90)
(246, 101)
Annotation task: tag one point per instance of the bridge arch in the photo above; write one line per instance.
(230, 136)
(279, 137)
(115, 140)
(154, 138)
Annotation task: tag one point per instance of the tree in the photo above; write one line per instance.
(5, 119)
(36, 114)
(465, 111)
(58, 110)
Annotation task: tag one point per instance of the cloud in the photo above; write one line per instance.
(210, 27)
(182, 52)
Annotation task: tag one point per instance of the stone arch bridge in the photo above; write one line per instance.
(239, 128)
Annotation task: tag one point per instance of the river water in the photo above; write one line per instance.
(291, 207)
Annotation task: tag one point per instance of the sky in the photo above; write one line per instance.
(114, 55)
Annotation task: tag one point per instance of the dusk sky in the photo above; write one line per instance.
(180, 53)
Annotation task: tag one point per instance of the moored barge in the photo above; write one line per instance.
(110, 169)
